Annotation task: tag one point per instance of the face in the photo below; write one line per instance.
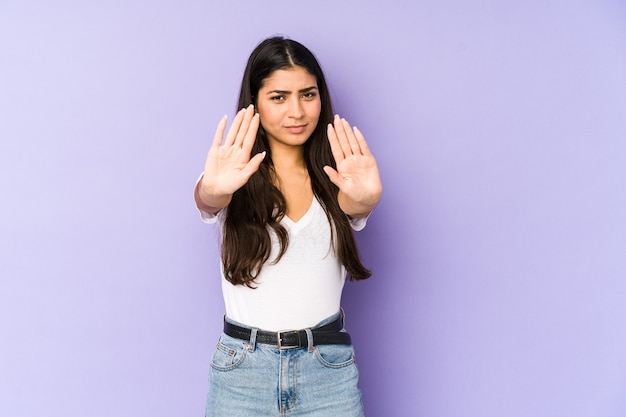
(289, 107)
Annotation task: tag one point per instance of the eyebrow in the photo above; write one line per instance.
(304, 90)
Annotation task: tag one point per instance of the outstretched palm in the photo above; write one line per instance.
(357, 173)
(229, 166)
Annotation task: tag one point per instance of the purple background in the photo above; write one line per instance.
(498, 249)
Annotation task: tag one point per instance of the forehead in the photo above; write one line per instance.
(289, 79)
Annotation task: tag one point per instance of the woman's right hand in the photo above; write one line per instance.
(228, 165)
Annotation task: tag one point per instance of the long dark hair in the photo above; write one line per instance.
(259, 204)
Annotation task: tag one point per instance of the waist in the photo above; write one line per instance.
(327, 332)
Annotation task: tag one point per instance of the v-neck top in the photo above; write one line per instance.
(300, 290)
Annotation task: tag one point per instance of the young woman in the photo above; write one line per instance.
(288, 184)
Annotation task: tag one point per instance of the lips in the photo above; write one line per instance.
(296, 129)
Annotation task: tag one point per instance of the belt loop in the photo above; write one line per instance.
(309, 338)
(253, 333)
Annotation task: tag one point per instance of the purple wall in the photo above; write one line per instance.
(498, 249)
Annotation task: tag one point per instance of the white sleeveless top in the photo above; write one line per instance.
(299, 291)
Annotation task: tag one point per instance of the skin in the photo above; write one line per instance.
(288, 108)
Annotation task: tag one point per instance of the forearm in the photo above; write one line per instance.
(207, 202)
(358, 209)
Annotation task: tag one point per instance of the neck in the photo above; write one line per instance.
(288, 158)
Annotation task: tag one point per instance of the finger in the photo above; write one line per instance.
(341, 136)
(253, 165)
(365, 150)
(219, 132)
(333, 176)
(245, 125)
(234, 128)
(335, 148)
(250, 138)
(352, 141)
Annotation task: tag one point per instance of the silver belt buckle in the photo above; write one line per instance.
(282, 346)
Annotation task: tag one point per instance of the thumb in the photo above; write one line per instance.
(253, 165)
(333, 176)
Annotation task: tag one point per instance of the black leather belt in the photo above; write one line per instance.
(329, 334)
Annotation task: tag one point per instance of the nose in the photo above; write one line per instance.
(296, 111)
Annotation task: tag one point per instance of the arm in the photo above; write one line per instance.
(228, 166)
(357, 173)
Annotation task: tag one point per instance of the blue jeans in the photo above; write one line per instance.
(254, 379)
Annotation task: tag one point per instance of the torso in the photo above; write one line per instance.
(299, 291)
(295, 185)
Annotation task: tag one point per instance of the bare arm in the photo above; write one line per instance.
(228, 165)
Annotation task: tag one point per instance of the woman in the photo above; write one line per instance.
(288, 184)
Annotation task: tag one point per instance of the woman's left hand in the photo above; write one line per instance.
(357, 173)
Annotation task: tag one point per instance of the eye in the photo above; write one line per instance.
(309, 95)
(278, 98)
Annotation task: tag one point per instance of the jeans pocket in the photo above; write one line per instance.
(335, 356)
(229, 353)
